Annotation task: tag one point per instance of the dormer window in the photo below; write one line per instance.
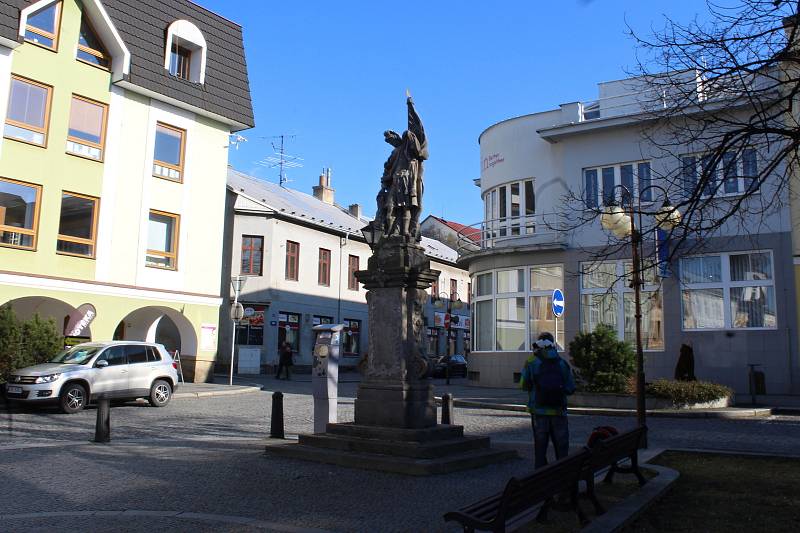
(180, 61)
(185, 53)
(42, 26)
(90, 49)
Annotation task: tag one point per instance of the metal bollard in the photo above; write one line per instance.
(276, 424)
(102, 428)
(447, 408)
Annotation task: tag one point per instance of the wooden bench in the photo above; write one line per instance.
(521, 495)
(607, 454)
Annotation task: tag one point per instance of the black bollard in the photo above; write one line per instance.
(447, 408)
(102, 428)
(276, 424)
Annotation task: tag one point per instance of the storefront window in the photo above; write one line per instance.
(510, 281)
(484, 325)
(510, 324)
(250, 330)
(351, 337)
(289, 330)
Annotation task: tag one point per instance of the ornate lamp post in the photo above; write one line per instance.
(622, 224)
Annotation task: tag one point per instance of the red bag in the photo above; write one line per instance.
(601, 433)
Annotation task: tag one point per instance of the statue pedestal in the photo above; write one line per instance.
(395, 426)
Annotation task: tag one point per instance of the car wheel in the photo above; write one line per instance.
(73, 398)
(160, 393)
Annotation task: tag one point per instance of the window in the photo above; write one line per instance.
(469, 293)
(484, 285)
(77, 226)
(510, 281)
(87, 125)
(28, 111)
(324, 268)
(292, 260)
(435, 289)
(115, 355)
(484, 325)
(607, 298)
(42, 26)
(351, 337)
(162, 240)
(137, 353)
(736, 173)
(510, 324)
(250, 329)
(544, 279)
(169, 152)
(601, 184)
(352, 268)
(453, 289)
(252, 254)
(509, 208)
(180, 61)
(90, 49)
(728, 291)
(289, 330)
(19, 213)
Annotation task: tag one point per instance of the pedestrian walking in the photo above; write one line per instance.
(548, 380)
(284, 359)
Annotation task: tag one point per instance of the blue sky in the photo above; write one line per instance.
(335, 73)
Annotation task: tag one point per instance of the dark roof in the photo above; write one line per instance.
(143, 25)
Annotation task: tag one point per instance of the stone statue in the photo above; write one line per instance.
(400, 198)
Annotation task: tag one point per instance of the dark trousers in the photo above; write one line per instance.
(281, 366)
(545, 429)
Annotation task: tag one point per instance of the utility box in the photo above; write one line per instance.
(325, 374)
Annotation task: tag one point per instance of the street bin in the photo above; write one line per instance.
(325, 374)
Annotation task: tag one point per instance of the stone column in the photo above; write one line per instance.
(391, 393)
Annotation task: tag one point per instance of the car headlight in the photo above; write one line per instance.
(47, 379)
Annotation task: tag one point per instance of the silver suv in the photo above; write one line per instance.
(119, 370)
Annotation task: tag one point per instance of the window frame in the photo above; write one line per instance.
(178, 168)
(295, 255)
(499, 205)
(48, 107)
(348, 331)
(92, 51)
(599, 199)
(326, 281)
(175, 238)
(619, 288)
(252, 250)
(175, 50)
(79, 240)
(720, 173)
(727, 284)
(38, 31)
(34, 233)
(103, 130)
(353, 265)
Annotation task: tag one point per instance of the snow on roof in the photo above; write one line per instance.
(304, 207)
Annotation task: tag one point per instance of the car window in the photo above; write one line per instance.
(153, 354)
(136, 353)
(76, 356)
(114, 355)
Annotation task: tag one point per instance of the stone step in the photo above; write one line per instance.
(387, 463)
(429, 450)
(440, 432)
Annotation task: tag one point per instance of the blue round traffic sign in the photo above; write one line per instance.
(558, 303)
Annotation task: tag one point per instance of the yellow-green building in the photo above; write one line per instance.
(113, 165)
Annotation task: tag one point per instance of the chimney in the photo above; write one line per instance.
(323, 191)
(355, 210)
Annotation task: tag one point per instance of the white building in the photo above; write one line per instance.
(299, 253)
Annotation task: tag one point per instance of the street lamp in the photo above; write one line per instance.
(615, 220)
(237, 312)
(371, 234)
(453, 302)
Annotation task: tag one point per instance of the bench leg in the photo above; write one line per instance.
(590, 492)
(610, 474)
(582, 519)
(635, 468)
(541, 516)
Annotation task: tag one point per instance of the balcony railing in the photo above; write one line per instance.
(545, 231)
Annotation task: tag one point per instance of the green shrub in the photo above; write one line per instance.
(25, 343)
(602, 363)
(682, 393)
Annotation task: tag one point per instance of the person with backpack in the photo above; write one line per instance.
(548, 380)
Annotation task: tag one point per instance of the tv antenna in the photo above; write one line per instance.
(280, 159)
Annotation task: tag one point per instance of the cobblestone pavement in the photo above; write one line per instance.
(201, 464)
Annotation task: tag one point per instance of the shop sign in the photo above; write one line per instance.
(253, 315)
(79, 320)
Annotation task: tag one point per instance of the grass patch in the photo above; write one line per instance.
(724, 493)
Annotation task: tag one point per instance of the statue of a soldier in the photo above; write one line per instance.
(400, 197)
